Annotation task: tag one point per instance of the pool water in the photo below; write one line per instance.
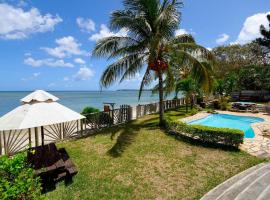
(230, 121)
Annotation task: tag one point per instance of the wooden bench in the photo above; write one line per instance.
(51, 164)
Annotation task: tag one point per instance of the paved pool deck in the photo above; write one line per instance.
(257, 146)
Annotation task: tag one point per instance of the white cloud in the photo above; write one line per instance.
(47, 62)
(83, 74)
(79, 61)
(222, 38)
(105, 32)
(181, 32)
(251, 28)
(67, 46)
(16, 23)
(86, 25)
(33, 76)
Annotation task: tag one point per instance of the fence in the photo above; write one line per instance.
(15, 141)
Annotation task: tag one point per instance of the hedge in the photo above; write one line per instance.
(224, 136)
(18, 180)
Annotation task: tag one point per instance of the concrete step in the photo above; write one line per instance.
(231, 188)
(254, 190)
(265, 195)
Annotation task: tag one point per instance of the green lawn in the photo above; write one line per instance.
(139, 161)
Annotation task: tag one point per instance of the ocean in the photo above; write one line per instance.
(77, 100)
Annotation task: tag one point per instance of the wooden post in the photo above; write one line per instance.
(42, 135)
(62, 131)
(5, 145)
(29, 137)
(81, 124)
(36, 137)
(113, 116)
(77, 123)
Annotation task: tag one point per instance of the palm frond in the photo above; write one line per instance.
(196, 50)
(109, 45)
(136, 24)
(146, 80)
(198, 70)
(169, 18)
(169, 82)
(133, 68)
(114, 71)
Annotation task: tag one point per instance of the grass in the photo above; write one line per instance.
(140, 161)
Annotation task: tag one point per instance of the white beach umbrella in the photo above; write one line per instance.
(39, 96)
(39, 109)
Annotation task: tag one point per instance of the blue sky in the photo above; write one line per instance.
(47, 44)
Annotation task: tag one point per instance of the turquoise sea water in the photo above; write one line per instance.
(230, 121)
(78, 100)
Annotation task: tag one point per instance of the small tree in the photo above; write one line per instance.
(189, 88)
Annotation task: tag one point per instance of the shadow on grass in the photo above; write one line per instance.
(125, 138)
(127, 135)
(197, 142)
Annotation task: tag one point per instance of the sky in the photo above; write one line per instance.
(47, 44)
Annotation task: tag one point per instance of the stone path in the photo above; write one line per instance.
(252, 184)
(257, 146)
(199, 115)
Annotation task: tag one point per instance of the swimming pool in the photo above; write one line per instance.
(230, 121)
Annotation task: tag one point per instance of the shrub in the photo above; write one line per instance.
(18, 180)
(222, 103)
(105, 118)
(224, 136)
(99, 118)
(89, 110)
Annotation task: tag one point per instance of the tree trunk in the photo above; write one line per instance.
(191, 103)
(186, 104)
(161, 107)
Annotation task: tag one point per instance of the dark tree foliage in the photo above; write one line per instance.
(265, 40)
(233, 57)
(246, 78)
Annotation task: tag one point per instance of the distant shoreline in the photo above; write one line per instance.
(77, 100)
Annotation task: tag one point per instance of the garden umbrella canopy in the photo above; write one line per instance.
(39, 109)
(39, 96)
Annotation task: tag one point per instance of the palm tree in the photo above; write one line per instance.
(151, 25)
(187, 59)
(189, 87)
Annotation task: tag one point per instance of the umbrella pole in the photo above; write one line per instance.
(42, 135)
